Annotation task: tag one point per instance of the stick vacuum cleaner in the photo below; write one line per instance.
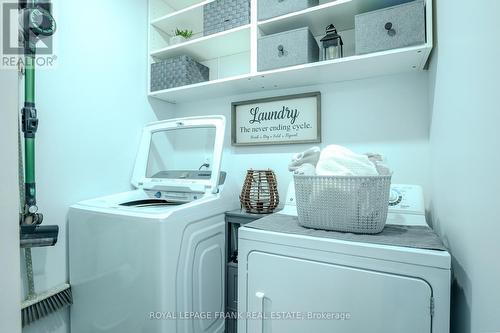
(36, 23)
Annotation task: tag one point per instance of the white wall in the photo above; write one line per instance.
(465, 143)
(92, 107)
(387, 115)
(10, 316)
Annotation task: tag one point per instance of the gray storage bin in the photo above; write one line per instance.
(267, 9)
(355, 204)
(221, 15)
(178, 71)
(390, 28)
(285, 49)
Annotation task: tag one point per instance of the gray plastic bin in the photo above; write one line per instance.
(357, 204)
(178, 71)
(285, 49)
(390, 28)
(267, 9)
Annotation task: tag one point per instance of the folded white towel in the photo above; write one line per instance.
(305, 169)
(310, 156)
(336, 160)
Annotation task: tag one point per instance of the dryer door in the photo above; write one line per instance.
(299, 296)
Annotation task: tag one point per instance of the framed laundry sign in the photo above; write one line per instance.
(277, 120)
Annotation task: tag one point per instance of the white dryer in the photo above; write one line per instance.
(296, 283)
(151, 260)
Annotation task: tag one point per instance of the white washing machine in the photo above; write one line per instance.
(148, 260)
(294, 283)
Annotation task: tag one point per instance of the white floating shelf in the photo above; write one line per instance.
(179, 5)
(340, 12)
(221, 44)
(350, 68)
(189, 18)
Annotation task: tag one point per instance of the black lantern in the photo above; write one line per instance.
(332, 44)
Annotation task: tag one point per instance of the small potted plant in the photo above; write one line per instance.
(181, 36)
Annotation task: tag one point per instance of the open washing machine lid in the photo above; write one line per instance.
(181, 155)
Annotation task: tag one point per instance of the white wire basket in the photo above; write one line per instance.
(356, 204)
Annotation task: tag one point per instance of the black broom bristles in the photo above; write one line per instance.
(44, 304)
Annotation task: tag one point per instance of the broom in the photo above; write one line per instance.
(37, 306)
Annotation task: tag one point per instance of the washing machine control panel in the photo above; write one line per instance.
(175, 196)
(406, 199)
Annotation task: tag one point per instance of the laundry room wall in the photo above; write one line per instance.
(389, 115)
(92, 107)
(464, 149)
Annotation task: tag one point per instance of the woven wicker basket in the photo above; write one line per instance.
(260, 192)
(343, 203)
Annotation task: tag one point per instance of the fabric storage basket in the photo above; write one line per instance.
(267, 9)
(289, 48)
(178, 71)
(221, 15)
(343, 203)
(390, 28)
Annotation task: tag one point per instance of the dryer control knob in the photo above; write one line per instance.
(395, 197)
(158, 195)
